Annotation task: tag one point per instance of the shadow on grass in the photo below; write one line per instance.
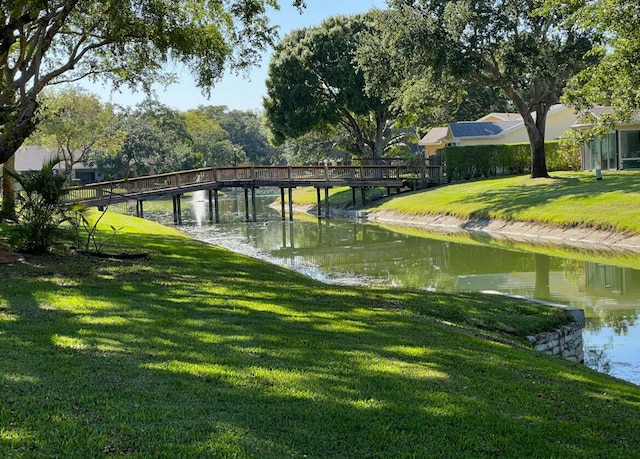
(200, 352)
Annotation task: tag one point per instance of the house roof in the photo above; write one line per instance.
(589, 118)
(497, 116)
(434, 136)
(501, 117)
(599, 111)
(482, 128)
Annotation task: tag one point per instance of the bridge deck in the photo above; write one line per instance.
(154, 186)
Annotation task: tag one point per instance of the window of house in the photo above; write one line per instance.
(630, 149)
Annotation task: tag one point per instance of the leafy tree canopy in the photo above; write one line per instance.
(313, 148)
(527, 52)
(317, 82)
(246, 130)
(615, 80)
(75, 123)
(210, 140)
(123, 41)
(156, 140)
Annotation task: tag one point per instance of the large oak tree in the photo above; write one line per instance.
(528, 53)
(316, 84)
(45, 42)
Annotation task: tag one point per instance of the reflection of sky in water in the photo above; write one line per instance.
(614, 353)
(351, 253)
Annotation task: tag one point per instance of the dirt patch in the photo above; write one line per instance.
(8, 255)
(519, 231)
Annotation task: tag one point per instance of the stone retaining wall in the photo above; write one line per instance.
(565, 341)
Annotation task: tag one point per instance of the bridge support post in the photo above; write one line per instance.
(139, 209)
(177, 210)
(319, 202)
(291, 204)
(246, 204)
(216, 206)
(282, 204)
(326, 201)
(210, 206)
(253, 203)
(364, 197)
(284, 234)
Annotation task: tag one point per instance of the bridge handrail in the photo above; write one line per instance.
(213, 175)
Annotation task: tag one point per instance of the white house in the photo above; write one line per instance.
(619, 149)
(496, 129)
(32, 158)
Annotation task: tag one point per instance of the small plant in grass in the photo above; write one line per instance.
(42, 208)
(90, 240)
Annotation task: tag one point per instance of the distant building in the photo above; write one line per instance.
(32, 158)
(496, 129)
(433, 141)
(620, 149)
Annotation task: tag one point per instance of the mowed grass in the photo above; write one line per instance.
(567, 199)
(200, 352)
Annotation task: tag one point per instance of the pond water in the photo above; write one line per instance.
(354, 252)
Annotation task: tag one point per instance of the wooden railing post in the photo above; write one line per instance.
(99, 194)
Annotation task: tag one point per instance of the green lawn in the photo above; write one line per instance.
(200, 352)
(567, 199)
(338, 196)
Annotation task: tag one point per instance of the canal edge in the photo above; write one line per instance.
(566, 340)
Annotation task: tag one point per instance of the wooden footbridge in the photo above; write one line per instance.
(250, 178)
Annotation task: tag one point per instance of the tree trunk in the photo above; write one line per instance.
(536, 131)
(535, 127)
(538, 157)
(8, 189)
(16, 132)
(381, 126)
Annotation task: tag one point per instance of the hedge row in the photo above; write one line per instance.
(464, 163)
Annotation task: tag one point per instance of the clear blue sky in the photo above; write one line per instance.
(238, 92)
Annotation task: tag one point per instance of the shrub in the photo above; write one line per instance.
(42, 208)
(467, 162)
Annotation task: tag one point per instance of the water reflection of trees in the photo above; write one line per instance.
(617, 322)
(352, 248)
(411, 261)
(598, 357)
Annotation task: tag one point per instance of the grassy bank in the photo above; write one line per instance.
(199, 352)
(567, 199)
